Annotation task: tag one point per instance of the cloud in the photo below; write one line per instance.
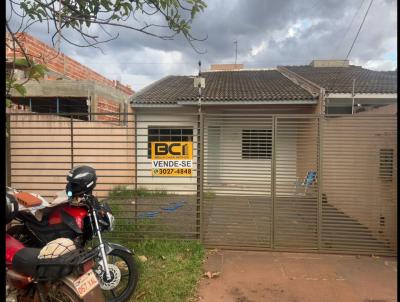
(269, 33)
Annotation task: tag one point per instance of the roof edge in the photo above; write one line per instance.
(249, 102)
(244, 69)
(148, 87)
(210, 103)
(304, 83)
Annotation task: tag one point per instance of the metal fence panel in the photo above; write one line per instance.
(44, 147)
(237, 180)
(247, 187)
(359, 159)
(296, 203)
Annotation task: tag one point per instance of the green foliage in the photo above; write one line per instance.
(20, 88)
(32, 70)
(209, 195)
(171, 271)
(76, 13)
(123, 192)
(79, 15)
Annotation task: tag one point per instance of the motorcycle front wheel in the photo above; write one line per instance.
(129, 275)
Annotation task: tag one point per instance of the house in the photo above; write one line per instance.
(68, 86)
(321, 87)
(256, 135)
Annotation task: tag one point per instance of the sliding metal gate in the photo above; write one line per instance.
(237, 173)
(254, 173)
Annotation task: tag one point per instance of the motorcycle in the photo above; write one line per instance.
(57, 272)
(81, 219)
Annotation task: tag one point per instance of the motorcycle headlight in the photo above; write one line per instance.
(111, 221)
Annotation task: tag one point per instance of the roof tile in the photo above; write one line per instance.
(243, 85)
(340, 79)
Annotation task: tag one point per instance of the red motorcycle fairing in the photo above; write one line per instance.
(12, 247)
(78, 213)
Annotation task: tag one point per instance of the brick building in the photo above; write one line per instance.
(68, 86)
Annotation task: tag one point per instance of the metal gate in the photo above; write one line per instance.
(300, 182)
(237, 173)
(295, 204)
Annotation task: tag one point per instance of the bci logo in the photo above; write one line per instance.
(173, 149)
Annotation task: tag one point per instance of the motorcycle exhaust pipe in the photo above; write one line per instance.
(18, 280)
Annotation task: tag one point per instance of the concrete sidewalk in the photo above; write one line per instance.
(297, 277)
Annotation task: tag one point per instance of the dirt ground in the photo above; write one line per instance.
(297, 277)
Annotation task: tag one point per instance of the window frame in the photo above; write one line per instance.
(168, 137)
(386, 161)
(253, 142)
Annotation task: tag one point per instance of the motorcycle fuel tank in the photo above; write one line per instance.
(78, 213)
(12, 247)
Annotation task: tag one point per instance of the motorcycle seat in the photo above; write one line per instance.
(30, 219)
(26, 260)
(28, 200)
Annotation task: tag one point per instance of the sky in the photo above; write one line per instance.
(269, 33)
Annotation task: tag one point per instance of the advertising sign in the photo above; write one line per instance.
(171, 158)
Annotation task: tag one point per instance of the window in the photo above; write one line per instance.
(256, 144)
(61, 106)
(386, 164)
(338, 110)
(168, 135)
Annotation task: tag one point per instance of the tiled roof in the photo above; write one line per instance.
(340, 79)
(232, 86)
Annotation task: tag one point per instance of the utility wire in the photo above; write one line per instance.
(359, 29)
(348, 28)
(352, 45)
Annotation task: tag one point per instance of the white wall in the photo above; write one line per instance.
(225, 171)
(145, 119)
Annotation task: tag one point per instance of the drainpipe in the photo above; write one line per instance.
(322, 100)
(352, 96)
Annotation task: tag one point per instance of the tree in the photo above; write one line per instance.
(79, 15)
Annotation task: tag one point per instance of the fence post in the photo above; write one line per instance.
(8, 150)
(135, 136)
(199, 172)
(273, 181)
(72, 140)
(320, 178)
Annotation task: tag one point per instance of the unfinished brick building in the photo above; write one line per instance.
(68, 87)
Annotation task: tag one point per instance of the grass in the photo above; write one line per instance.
(123, 192)
(171, 271)
(173, 267)
(135, 228)
(140, 226)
